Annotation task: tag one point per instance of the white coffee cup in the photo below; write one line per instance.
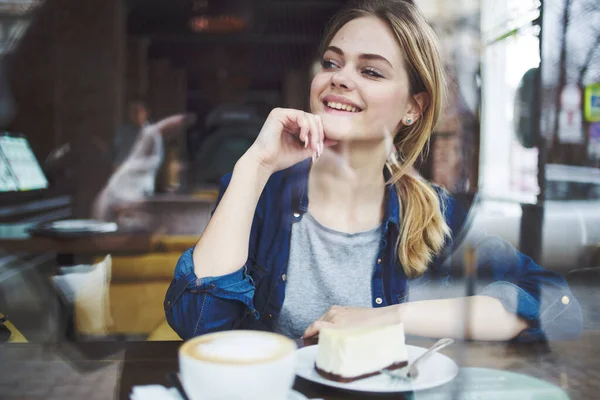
(238, 365)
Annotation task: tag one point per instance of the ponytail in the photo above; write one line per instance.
(423, 229)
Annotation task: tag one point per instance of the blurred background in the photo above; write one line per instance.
(89, 167)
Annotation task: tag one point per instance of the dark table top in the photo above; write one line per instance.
(109, 370)
(117, 242)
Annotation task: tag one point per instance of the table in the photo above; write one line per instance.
(98, 371)
(118, 242)
(163, 223)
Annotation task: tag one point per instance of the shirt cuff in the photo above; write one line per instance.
(237, 285)
(517, 301)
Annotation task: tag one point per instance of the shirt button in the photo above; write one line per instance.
(283, 277)
(565, 300)
(378, 260)
(296, 215)
(378, 300)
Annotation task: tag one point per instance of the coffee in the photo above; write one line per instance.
(238, 347)
(238, 365)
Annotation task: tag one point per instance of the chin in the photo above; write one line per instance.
(340, 127)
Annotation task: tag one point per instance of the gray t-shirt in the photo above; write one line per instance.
(325, 268)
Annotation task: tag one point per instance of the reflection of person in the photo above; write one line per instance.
(137, 119)
(134, 179)
(353, 239)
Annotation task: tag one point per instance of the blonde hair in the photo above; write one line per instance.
(423, 228)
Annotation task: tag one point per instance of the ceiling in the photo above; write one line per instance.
(282, 35)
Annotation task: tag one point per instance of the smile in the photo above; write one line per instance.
(341, 107)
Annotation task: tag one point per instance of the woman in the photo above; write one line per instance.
(271, 259)
(134, 179)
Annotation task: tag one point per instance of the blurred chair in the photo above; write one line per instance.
(163, 332)
(121, 298)
(231, 130)
(137, 291)
(15, 336)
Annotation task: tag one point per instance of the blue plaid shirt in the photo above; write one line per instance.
(252, 297)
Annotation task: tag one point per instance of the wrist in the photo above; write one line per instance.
(396, 313)
(252, 159)
(249, 163)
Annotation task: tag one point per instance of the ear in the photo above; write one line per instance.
(416, 105)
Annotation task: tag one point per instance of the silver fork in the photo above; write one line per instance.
(411, 371)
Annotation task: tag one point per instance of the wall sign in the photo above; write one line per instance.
(592, 103)
(570, 119)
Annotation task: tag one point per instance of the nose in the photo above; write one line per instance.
(341, 80)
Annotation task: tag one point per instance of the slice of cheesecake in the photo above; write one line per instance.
(345, 355)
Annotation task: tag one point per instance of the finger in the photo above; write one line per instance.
(315, 328)
(330, 314)
(314, 133)
(304, 125)
(321, 134)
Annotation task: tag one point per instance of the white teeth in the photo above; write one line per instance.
(343, 107)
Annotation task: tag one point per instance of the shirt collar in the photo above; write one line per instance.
(298, 178)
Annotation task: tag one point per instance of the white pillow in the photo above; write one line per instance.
(86, 288)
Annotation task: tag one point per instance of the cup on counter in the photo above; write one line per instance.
(236, 365)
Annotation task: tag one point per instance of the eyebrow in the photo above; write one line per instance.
(339, 51)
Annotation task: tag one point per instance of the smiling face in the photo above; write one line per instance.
(362, 90)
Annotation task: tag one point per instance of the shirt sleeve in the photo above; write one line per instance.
(195, 306)
(539, 296)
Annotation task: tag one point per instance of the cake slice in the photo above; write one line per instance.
(346, 355)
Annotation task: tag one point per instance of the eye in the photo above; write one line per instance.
(371, 72)
(328, 64)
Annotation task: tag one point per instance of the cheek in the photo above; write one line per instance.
(318, 84)
(388, 105)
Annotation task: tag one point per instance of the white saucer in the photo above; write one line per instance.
(436, 370)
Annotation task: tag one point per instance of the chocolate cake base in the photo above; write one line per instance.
(338, 378)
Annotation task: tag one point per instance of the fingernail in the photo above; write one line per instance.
(313, 158)
(322, 148)
(306, 142)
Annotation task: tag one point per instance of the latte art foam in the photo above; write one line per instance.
(241, 348)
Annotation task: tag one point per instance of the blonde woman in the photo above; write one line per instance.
(320, 224)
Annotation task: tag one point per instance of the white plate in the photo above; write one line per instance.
(434, 371)
(83, 225)
(293, 395)
(157, 391)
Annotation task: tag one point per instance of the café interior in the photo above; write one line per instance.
(92, 225)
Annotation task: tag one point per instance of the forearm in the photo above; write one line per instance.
(475, 317)
(223, 247)
(198, 306)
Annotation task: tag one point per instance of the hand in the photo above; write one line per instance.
(352, 317)
(175, 124)
(287, 137)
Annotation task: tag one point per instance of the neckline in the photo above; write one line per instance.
(368, 232)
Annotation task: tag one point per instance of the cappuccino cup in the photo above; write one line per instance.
(238, 365)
